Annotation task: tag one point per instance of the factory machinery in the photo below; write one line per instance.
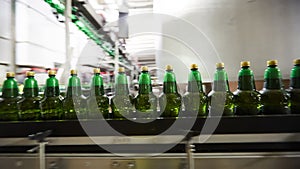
(247, 142)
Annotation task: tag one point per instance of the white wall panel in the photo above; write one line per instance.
(5, 18)
(256, 30)
(40, 37)
(5, 44)
(39, 28)
(5, 53)
(30, 54)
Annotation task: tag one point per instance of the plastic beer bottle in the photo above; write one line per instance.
(122, 102)
(29, 106)
(295, 88)
(10, 97)
(273, 97)
(51, 104)
(145, 101)
(74, 105)
(221, 99)
(195, 100)
(97, 92)
(247, 99)
(170, 99)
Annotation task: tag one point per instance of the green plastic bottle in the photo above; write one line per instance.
(51, 104)
(295, 88)
(97, 93)
(75, 104)
(170, 99)
(247, 99)
(221, 98)
(195, 100)
(10, 96)
(29, 106)
(122, 102)
(273, 97)
(145, 101)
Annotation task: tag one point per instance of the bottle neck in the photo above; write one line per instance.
(170, 85)
(30, 88)
(246, 79)
(121, 85)
(145, 83)
(97, 87)
(52, 87)
(220, 80)
(195, 82)
(10, 88)
(272, 78)
(295, 77)
(74, 86)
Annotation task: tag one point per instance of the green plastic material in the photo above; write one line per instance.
(222, 93)
(247, 99)
(195, 100)
(29, 106)
(145, 101)
(75, 105)
(10, 88)
(8, 106)
(122, 103)
(274, 99)
(102, 101)
(170, 99)
(295, 90)
(52, 105)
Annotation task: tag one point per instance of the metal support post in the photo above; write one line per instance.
(41, 139)
(67, 65)
(116, 57)
(189, 151)
(12, 65)
(42, 155)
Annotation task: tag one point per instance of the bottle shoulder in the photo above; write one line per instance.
(121, 96)
(59, 98)
(265, 90)
(238, 92)
(292, 90)
(186, 94)
(151, 94)
(170, 95)
(9, 100)
(219, 92)
(102, 97)
(30, 99)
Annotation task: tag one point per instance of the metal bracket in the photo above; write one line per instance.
(123, 164)
(40, 137)
(189, 149)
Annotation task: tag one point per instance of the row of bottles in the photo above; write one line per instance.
(246, 100)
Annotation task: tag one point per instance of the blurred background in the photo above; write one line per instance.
(33, 36)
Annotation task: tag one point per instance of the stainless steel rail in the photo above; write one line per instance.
(283, 160)
(220, 138)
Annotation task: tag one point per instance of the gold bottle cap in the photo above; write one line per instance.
(272, 62)
(245, 63)
(51, 72)
(121, 70)
(169, 67)
(29, 73)
(144, 68)
(297, 61)
(194, 66)
(73, 72)
(97, 70)
(220, 65)
(10, 74)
